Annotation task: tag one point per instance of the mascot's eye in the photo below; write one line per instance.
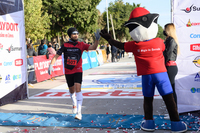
(132, 27)
(144, 18)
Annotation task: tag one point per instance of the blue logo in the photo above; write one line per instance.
(7, 63)
(194, 35)
(7, 79)
(17, 77)
(197, 77)
(195, 90)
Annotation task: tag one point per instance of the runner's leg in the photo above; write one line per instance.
(70, 83)
(79, 96)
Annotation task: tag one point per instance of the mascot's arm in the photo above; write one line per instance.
(110, 40)
(115, 43)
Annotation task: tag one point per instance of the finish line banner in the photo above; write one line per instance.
(13, 69)
(187, 21)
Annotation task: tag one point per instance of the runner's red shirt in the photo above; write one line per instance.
(148, 55)
(73, 56)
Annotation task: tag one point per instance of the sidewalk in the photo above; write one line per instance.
(90, 106)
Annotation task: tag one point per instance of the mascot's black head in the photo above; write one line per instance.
(142, 24)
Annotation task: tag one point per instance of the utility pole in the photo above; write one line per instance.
(107, 15)
(172, 10)
(112, 27)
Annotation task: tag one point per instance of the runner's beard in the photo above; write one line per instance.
(74, 40)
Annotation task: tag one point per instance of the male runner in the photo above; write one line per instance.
(73, 50)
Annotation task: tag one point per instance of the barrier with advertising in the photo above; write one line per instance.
(13, 71)
(41, 64)
(93, 58)
(187, 21)
(85, 61)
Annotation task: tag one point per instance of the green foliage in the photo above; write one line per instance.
(81, 14)
(160, 33)
(120, 14)
(36, 21)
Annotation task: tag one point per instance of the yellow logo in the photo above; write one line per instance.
(196, 61)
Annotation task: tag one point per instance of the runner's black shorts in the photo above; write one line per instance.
(73, 78)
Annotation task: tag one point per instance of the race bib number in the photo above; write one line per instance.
(71, 62)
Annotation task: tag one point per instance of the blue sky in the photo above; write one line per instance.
(162, 7)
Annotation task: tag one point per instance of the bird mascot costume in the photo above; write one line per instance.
(148, 53)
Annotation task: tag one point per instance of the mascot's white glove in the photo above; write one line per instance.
(50, 69)
(97, 35)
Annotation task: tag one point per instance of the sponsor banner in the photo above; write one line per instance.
(187, 24)
(93, 58)
(102, 86)
(85, 61)
(41, 65)
(97, 93)
(188, 7)
(188, 92)
(113, 80)
(114, 72)
(13, 69)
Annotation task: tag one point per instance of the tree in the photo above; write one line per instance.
(81, 14)
(36, 21)
(120, 14)
(160, 32)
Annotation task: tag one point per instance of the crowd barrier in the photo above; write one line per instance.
(37, 66)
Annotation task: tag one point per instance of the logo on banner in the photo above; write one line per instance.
(197, 77)
(11, 48)
(195, 47)
(195, 90)
(191, 8)
(18, 62)
(15, 77)
(8, 63)
(1, 47)
(189, 24)
(194, 35)
(7, 79)
(0, 78)
(196, 61)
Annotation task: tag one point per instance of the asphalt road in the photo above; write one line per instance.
(90, 106)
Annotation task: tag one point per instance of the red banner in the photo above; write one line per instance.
(41, 64)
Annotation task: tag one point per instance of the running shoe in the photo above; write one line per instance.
(166, 117)
(78, 116)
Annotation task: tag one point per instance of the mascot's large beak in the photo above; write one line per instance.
(145, 21)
